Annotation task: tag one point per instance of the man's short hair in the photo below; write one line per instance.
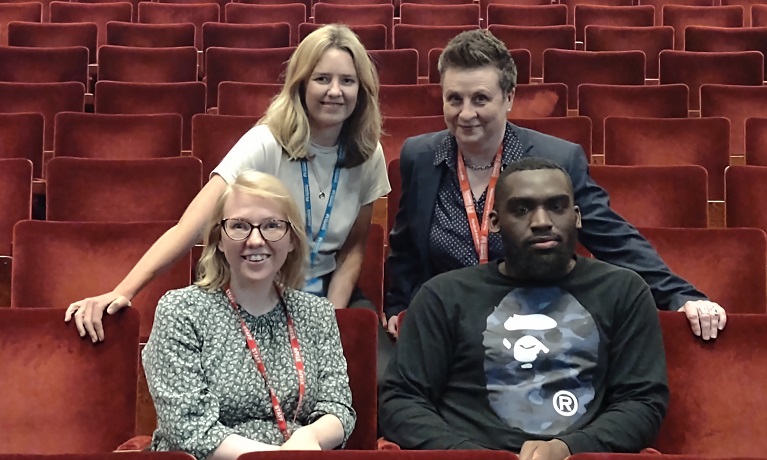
(531, 164)
(479, 48)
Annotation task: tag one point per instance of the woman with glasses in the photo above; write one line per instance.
(320, 137)
(288, 388)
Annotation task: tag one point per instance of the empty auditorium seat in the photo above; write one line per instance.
(397, 129)
(759, 15)
(50, 35)
(97, 13)
(671, 141)
(526, 15)
(245, 35)
(28, 11)
(601, 101)
(659, 4)
(656, 196)
(756, 141)
(15, 198)
(410, 100)
(186, 99)
(214, 135)
(251, 99)
(171, 13)
(680, 17)
(697, 68)
(736, 103)
(396, 67)
(439, 14)
(605, 67)
(617, 16)
(372, 36)
(147, 65)
(539, 100)
(117, 137)
(730, 271)
(292, 13)
(355, 15)
(44, 65)
(573, 4)
(573, 129)
(536, 39)
(425, 38)
(484, 5)
(45, 98)
(745, 187)
(234, 64)
(84, 395)
(21, 136)
(150, 35)
(699, 38)
(650, 40)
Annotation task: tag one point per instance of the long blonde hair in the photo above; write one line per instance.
(287, 118)
(213, 270)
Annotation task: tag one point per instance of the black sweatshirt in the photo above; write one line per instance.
(484, 361)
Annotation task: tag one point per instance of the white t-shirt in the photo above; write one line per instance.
(358, 186)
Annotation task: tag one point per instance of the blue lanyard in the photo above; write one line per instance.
(328, 209)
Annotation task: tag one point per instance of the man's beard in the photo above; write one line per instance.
(525, 262)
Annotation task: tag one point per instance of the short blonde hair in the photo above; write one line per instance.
(213, 270)
(287, 117)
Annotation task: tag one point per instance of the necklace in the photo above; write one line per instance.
(317, 179)
(478, 167)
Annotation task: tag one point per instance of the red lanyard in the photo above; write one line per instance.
(479, 234)
(253, 347)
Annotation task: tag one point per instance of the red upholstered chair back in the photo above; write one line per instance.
(397, 129)
(49, 35)
(186, 99)
(573, 4)
(30, 12)
(88, 190)
(756, 141)
(386, 455)
(97, 13)
(44, 65)
(171, 13)
(721, 389)
(539, 101)
(357, 14)
(651, 196)
(728, 264)
(701, 38)
(359, 332)
(697, 68)
(650, 40)
(21, 136)
(251, 99)
(82, 394)
(147, 65)
(117, 137)
(225, 35)
(601, 101)
(746, 4)
(425, 38)
(681, 16)
(573, 129)
(57, 263)
(393, 199)
(150, 35)
(214, 135)
(396, 67)
(444, 2)
(245, 13)
(45, 98)
(371, 277)
(575, 68)
(535, 14)
(736, 103)
(758, 15)
(745, 187)
(618, 16)
(665, 142)
(535, 39)
(235, 64)
(659, 4)
(15, 198)
(410, 100)
(439, 15)
(372, 36)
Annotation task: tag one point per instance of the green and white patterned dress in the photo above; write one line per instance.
(205, 385)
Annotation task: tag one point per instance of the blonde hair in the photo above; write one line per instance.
(287, 118)
(213, 270)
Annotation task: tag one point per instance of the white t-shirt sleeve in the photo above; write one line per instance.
(257, 149)
(374, 180)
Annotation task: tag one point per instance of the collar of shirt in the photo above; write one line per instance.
(447, 150)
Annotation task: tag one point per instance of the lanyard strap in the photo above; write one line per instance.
(254, 351)
(308, 204)
(479, 234)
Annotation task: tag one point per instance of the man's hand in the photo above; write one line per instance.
(706, 318)
(391, 326)
(544, 450)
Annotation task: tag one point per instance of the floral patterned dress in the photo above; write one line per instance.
(205, 385)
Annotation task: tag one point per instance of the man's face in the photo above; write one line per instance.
(538, 223)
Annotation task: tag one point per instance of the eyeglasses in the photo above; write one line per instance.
(238, 230)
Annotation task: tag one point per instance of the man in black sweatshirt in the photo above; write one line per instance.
(543, 353)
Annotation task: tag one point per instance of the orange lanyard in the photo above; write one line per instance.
(295, 347)
(479, 234)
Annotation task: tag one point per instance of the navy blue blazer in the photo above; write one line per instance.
(605, 234)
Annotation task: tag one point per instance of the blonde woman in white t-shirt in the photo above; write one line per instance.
(322, 128)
